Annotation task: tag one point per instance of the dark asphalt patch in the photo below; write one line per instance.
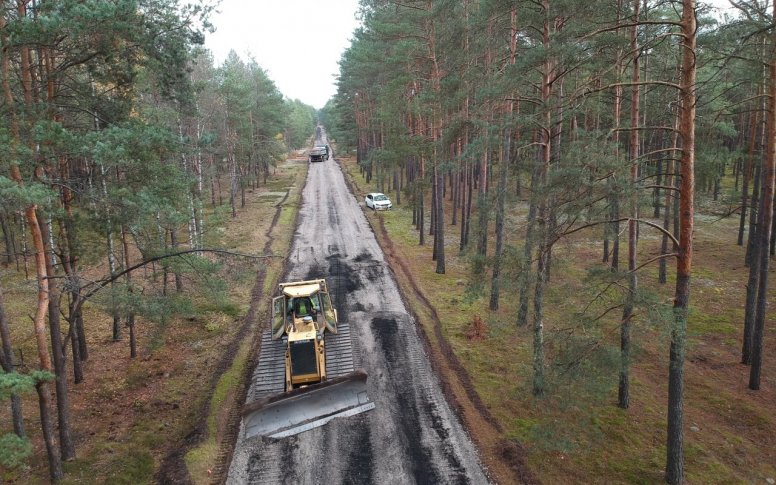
(394, 346)
(456, 470)
(343, 282)
(344, 274)
(314, 272)
(360, 462)
(364, 256)
(288, 460)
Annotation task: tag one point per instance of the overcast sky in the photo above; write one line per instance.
(298, 42)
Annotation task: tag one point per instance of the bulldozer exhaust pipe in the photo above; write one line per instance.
(308, 407)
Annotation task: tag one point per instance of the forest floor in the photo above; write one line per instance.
(576, 433)
(162, 417)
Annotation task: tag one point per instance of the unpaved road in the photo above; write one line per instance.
(412, 436)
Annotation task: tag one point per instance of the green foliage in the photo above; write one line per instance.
(300, 124)
(14, 450)
(15, 197)
(14, 383)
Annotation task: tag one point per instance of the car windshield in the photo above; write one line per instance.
(380, 197)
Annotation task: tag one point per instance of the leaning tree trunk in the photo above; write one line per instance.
(39, 321)
(43, 388)
(66, 445)
(675, 439)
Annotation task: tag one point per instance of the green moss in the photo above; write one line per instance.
(131, 467)
(199, 459)
(702, 323)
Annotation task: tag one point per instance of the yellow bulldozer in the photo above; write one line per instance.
(305, 376)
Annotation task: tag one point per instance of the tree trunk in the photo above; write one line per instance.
(525, 269)
(483, 215)
(66, 445)
(420, 197)
(669, 196)
(675, 440)
(70, 261)
(495, 286)
(9, 367)
(10, 250)
(432, 222)
(623, 394)
(177, 274)
(439, 234)
(614, 206)
(116, 328)
(43, 388)
(755, 203)
(762, 261)
(544, 197)
(501, 193)
(44, 392)
(538, 322)
(131, 315)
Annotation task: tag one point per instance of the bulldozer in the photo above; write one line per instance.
(305, 376)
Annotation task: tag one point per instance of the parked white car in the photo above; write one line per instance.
(378, 201)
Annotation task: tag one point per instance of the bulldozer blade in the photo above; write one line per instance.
(308, 407)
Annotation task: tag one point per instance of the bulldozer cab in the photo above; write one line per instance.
(278, 317)
(300, 299)
(303, 307)
(329, 313)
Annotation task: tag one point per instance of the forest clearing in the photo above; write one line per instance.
(570, 279)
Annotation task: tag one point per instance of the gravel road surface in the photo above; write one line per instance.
(412, 436)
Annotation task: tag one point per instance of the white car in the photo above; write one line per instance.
(378, 201)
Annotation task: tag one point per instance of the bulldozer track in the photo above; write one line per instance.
(270, 374)
(339, 352)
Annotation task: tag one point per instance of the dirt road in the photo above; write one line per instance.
(412, 436)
